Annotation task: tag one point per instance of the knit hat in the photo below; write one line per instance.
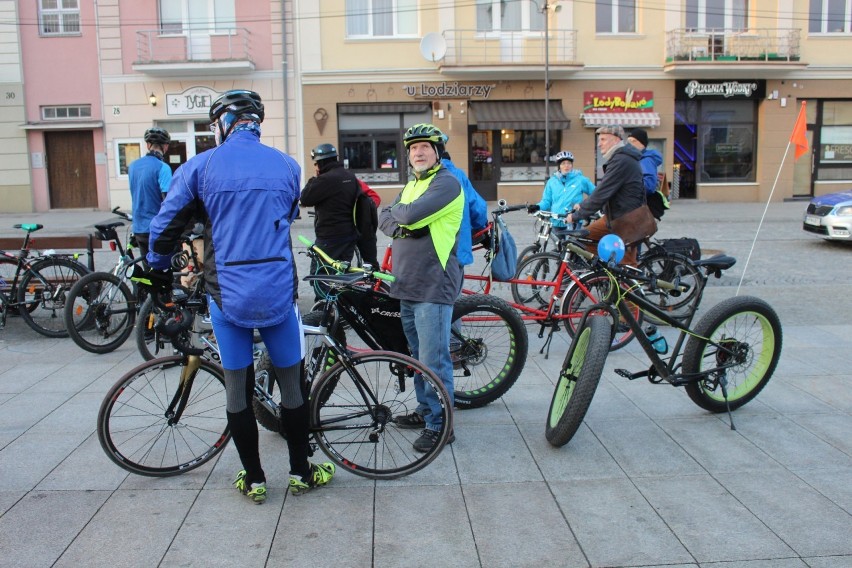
(640, 135)
(614, 130)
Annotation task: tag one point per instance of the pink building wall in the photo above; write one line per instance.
(61, 71)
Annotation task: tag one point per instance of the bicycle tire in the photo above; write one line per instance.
(669, 266)
(362, 437)
(133, 426)
(8, 267)
(43, 291)
(575, 302)
(528, 252)
(748, 326)
(100, 312)
(541, 267)
(492, 351)
(578, 381)
(264, 375)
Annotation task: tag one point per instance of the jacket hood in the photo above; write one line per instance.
(653, 155)
(630, 151)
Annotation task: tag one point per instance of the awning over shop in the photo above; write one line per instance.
(518, 115)
(596, 119)
(392, 108)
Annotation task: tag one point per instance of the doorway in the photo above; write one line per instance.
(71, 179)
(483, 170)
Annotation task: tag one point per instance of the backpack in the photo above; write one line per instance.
(505, 260)
(365, 216)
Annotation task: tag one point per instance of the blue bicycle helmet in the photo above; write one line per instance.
(611, 248)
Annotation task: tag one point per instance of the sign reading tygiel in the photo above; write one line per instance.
(194, 100)
(446, 90)
(618, 101)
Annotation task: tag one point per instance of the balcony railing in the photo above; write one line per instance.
(152, 47)
(753, 45)
(474, 48)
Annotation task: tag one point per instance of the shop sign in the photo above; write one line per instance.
(194, 100)
(446, 90)
(720, 89)
(618, 101)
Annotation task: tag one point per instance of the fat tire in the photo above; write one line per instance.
(756, 327)
(578, 380)
(141, 444)
(84, 326)
(498, 350)
(343, 425)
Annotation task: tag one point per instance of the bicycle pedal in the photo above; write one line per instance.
(631, 376)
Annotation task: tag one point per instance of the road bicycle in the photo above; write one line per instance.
(167, 415)
(545, 235)
(727, 358)
(488, 341)
(35, 287)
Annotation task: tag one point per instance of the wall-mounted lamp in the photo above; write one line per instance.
(153, 100)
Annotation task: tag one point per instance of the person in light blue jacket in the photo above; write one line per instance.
(566, 188)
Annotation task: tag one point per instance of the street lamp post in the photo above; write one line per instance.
(546, 10)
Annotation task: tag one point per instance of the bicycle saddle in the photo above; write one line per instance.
(716, 264)
(29, 227)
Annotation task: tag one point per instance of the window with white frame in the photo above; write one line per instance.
(66, 112)
(716, 14)
(830, 17)
(509, 16)
(181, 16)
(381, 18)
(615, 16)
(59, 17)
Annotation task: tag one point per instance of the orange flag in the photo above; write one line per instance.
(800, 133)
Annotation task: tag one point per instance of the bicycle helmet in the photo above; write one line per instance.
(424, 133)
(562, 156)
(323, 152)
(239, 102)
(157, 135)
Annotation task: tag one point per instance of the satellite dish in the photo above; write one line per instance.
(433, 47)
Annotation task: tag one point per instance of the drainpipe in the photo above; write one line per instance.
(286, 82)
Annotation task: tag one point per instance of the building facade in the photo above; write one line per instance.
(718, 88)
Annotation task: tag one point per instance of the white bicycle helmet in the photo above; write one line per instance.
(562, 156)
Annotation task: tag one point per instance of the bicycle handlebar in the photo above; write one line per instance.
(503, 207)
(343, 266)
(122, 214)
(173, 327)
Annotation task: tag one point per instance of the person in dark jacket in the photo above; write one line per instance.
(248, 194)
(332, 193)
(619, 191)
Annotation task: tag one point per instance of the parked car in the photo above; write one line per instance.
(830, 216)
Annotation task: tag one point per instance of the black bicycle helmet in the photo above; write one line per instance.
(157, 135)
(562, 156)
(424, 133)
(323, 152)
(240, 102)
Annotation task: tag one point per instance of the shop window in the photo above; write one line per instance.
(523, 154)
(59, 17)
(829, 17)
(125, 153)
(502, 16)
(381, 18)
(834, 151)
(615, 16)
(726, 141)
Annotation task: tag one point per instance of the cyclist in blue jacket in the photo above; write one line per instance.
(565, 188)
(248, 194)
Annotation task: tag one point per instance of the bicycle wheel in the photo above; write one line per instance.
(264, 375)
(542, 267)
(136, 427)
(528, 252)
(8, 267)
(575, 301)
(668, 266)
(578, 381)
(100, 312)
(43, 291)
(353, 409)
(743, 332)
(488, 346)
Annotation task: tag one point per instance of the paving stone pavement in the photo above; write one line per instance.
(649, 480)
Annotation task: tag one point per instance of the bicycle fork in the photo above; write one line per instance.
(181, 397)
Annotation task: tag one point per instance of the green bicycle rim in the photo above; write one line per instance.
(567, 379)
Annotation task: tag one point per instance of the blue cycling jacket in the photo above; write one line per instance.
(475, 215)
(249, 195)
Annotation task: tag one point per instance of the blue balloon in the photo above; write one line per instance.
(611, 248)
